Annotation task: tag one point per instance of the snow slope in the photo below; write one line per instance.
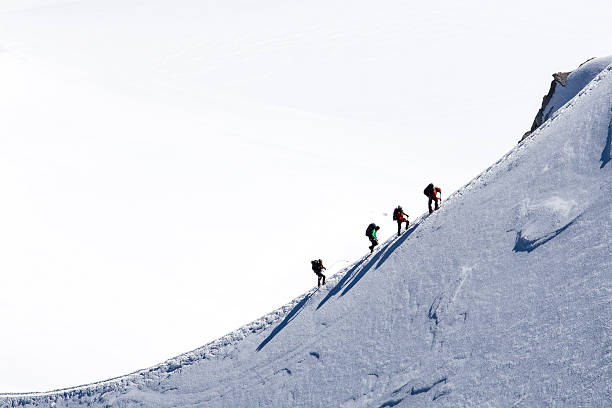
(138, 138)
(501, 298)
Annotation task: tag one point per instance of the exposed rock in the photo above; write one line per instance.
(558, 78)
(566, 85)
(561, 77)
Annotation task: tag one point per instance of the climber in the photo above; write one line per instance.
(317, 267)
(371, 234)
(434, 194)
(400, 216)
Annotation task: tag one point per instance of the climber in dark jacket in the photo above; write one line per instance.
(317, 267)
(434, 194)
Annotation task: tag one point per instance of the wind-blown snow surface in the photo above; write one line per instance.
(501, 298)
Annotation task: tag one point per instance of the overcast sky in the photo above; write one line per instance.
(169, 168)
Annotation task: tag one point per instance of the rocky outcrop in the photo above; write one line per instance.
(566, 85)
(558, 78)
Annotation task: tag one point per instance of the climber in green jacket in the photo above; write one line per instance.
(371, 234)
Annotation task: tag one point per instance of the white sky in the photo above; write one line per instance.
(169, 168)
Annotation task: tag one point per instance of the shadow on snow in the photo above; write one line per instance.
(606, 155)
(523, 244)
(382, 255)
(341, 283)
(347, 282)
(292, 314)
(399, 241)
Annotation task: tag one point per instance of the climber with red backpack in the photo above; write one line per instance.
(434, 194)
(400, 216)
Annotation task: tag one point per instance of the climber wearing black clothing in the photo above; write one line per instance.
(400, 216)
(317, 267)
(434, 194)
(371, 234)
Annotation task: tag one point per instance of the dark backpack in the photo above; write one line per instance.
(396, 214)
(316, 266)
(429, 190)
(370, 229)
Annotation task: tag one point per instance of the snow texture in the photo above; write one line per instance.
(500, 298)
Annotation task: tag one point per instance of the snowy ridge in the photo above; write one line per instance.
(482, 178)
(208, 351)
(110, 108)
(422, 351)
(565, 86)
(575, 82)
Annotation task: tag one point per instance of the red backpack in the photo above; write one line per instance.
(397, 214)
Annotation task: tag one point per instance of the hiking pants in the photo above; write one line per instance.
(374, 243)
(399, 226)
(320, 277)
(432, 199)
